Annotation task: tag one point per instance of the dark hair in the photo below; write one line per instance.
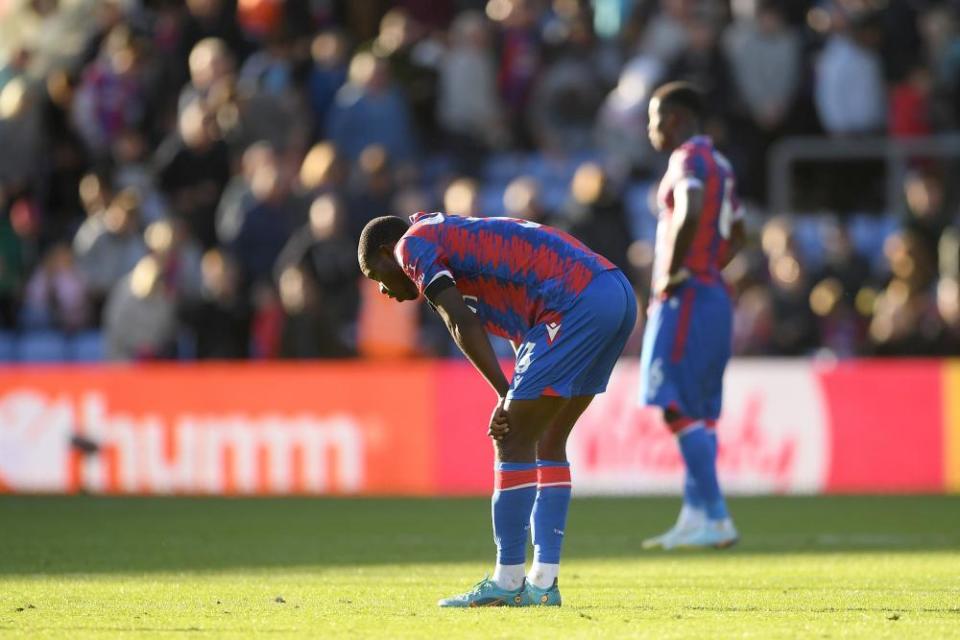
(680, 94)
(379, 232)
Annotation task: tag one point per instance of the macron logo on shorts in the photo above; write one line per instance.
(553, 328)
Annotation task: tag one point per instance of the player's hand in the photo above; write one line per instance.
(670, 283)
(499, 425)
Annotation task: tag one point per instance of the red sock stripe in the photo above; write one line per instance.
(505, 480)
(680, 424)
(553, 476)
(711, 424)
(683, 326)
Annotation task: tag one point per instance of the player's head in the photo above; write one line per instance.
(676, 110)
(375, 254)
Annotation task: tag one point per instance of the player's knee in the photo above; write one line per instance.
(515, 448)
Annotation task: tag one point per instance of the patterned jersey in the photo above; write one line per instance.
(513, 273)
(697, 163)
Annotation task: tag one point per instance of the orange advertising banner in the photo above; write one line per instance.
(218, 429)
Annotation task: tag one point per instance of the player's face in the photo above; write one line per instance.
(394, 283)
(657, 126)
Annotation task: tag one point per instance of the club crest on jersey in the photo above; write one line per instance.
(553, 328)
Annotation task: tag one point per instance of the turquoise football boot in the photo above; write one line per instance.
(485, 593)
(534, 596)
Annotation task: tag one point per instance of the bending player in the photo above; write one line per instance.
(687, 339)
(568, 312)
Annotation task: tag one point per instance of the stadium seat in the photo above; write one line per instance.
(868, 233)
(86, 347)
(491, 201)
(642, 222)
(42, 346)
(807, 236)
(8, 348)
(503, 167)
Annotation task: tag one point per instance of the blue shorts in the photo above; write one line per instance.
(686, 347)
(575, 355)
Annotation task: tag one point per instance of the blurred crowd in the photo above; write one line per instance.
(189, 178)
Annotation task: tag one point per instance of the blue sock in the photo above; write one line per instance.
(691, 494)
(549, 517)
(516, 489)
(698, 451)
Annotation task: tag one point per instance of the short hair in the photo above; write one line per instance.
(680, 94)
(379, 232)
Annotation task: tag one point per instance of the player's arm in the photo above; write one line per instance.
(468, 332)
(687, 207)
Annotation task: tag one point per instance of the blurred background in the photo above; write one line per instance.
(186, 181)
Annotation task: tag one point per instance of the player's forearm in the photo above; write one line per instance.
(688, 204)
(472, 339)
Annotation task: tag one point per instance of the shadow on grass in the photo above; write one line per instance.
(61, 535)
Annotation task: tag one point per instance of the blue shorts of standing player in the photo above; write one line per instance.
(575, 357)
(686, 347)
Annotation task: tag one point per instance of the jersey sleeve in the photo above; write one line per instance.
(424, 262)
(691, 169)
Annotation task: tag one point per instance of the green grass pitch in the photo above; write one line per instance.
(845, 567)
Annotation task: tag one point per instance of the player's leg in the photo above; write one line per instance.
(696, 438)
(548, 519)
(666, 382)
(515, 490)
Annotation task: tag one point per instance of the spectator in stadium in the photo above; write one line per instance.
(926, 204)
(21, 128)
(140, 317)
(326, 256)
(594, 214)
(237, 197)
(111, 97)
(56, 294)
(522, 200)
(193, 168)
(109, 244)
(370, 110)
(666, 35)
(520, 61)
(371, 188)
(796, 328)
(210, 62)
(271, 107)
(132, 170)
(12, 267)
(266, 224)
(568, 94)
(329, 52)
(850, 92)
(412, 58)
(468, 107)
(621, 128)
(765, 55)
(178, 255)
(220, 318)
(309, 328)
(905, 320)
(462, 198)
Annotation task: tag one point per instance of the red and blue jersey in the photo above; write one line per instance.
(514, 274)
(697, 164)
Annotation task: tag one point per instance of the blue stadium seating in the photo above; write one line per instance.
(42, 346)
(86, 347)
(8, 346)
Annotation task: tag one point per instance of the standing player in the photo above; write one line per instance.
(687, 340)
(568, 313)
